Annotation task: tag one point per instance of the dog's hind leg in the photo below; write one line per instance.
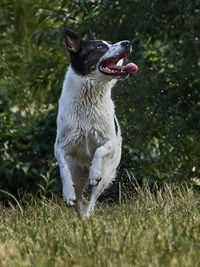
(96, 192)
(102, 171)
(79, 188)
(80, 179)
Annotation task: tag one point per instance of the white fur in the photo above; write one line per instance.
(87, 147)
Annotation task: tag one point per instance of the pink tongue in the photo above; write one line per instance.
(130, 67)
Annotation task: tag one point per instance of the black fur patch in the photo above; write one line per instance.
(116, 126)
(86, 59)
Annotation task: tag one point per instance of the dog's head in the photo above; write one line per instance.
(99, 57)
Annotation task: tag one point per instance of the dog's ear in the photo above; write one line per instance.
(91, 36)
(72, 41)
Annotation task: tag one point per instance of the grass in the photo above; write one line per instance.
(161, 229)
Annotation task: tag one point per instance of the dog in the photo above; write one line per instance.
(88, 142)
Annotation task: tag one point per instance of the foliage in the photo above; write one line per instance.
(158, 108)
(160, 229)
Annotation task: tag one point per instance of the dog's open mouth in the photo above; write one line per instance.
(110, 67)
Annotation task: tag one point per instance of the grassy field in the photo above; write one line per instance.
(161, 229)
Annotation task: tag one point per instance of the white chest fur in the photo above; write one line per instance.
(85, 116)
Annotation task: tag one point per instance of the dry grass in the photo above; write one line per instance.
(161, 229)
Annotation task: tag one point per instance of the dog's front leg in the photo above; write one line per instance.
(68, 186)
(96, 168)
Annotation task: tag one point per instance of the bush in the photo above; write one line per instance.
(158, 108)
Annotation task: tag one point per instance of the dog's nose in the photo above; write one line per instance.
(126, 43)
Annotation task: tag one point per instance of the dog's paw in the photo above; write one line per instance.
(95, 176)
(95, 181)
(70, 197)
(88, 212)
(71, 202)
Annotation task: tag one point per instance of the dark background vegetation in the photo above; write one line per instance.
(158, 108)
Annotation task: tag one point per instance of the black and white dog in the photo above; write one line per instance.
(88, 142)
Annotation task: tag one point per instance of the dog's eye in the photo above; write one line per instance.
(99, 46)
(109, 42)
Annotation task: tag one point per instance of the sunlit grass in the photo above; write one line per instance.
(160, 229)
